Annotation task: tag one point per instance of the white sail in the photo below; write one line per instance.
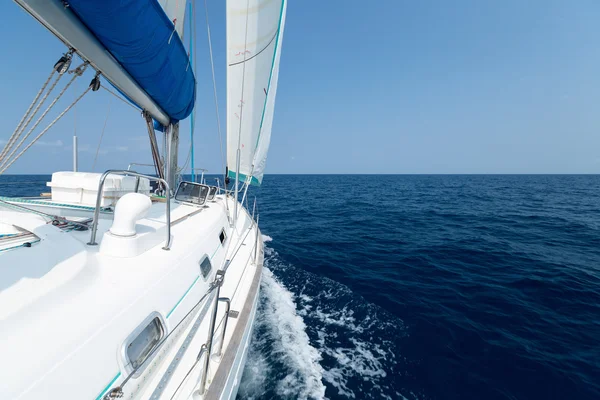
(254, 35)
(175, 10)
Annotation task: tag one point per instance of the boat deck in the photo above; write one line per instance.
(76, 304)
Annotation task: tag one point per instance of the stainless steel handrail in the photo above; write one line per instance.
(92, 241)
(219, 277)
(227, 301)
(203, 350)
(256, 238)
(211, 337)
(203, 171)
(139, 165)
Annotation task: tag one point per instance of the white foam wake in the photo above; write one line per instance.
(282, 331)
(347, 342)
(353, 349)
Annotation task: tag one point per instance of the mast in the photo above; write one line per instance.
(237, 180)
(75, 161)
(172, 137)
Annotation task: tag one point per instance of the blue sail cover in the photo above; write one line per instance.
(140, 36)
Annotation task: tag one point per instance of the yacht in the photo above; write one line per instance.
(129, 285)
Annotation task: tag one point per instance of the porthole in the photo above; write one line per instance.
(205, 266)
(142, 343)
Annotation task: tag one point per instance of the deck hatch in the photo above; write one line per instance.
(192, 193)
(211, 193)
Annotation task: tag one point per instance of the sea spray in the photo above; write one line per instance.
(280, 332)
(314, 338)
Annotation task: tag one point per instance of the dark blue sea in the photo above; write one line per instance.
(424, 287)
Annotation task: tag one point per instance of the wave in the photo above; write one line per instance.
(314, 337)
(280, 347)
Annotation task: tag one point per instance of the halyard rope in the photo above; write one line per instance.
(9, 161)
(14, 135)
(22, 129)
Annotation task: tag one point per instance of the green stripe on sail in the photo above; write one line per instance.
(270, 75)
(243, 178)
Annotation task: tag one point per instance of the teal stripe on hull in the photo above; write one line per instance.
(101, 395)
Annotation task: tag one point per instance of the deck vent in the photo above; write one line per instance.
(129, 210)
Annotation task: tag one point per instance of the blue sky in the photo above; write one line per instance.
(400, 86)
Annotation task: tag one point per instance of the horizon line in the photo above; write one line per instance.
(371, 174)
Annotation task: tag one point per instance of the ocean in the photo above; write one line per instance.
(423, 287)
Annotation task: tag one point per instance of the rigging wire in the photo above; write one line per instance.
(119, 97)
(192, 57)
(238, 153)
(203, 350)
(214, 81)
(75, 147)
(187, 162)
(212, 68)
(101, 135)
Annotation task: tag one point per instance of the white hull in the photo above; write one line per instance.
(69, 311)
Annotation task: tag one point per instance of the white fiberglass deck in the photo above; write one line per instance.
(67, 308)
